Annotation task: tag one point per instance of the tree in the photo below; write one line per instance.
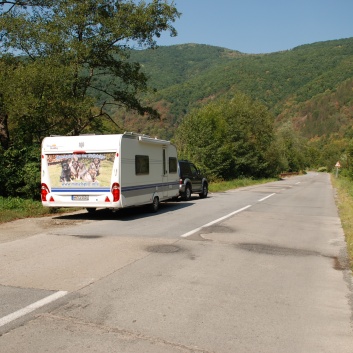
(202, 138)
(80, 50)
(251, 130)
(62, 64)
(229, 138)
(292, 149)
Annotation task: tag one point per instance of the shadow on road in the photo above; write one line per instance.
(125, 214)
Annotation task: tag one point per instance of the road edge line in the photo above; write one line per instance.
(28, 309)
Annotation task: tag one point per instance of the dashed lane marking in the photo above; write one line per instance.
(214, 222)
(264, 198)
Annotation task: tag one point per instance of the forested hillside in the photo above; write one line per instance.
(293, 84)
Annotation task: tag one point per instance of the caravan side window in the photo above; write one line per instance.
(173, 165)
(142, 165)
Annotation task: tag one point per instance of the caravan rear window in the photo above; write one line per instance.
(142, 165)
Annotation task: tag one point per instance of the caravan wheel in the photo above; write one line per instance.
(155, 204)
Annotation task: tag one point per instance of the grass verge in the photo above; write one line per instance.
(236, 183)
(12, 208)
(344, 187)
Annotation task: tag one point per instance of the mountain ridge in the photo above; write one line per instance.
(186, 76)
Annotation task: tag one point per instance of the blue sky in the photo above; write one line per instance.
(261, 26)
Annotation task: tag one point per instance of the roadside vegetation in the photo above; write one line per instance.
(344, 187)
(12, 208)
(222, 186)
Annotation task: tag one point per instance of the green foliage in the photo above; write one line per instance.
(72, 65)
(173, 65)
(187, 75)
(309, 85)
(14, 203)
(325, 114)
(221, 186)
(228, 139)
(12, 208)
(322, 170)
(76, 60)
(349, 160)
(329, 151)
(292, 149)
(20, 172)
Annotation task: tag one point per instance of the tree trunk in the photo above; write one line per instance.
(4, 132)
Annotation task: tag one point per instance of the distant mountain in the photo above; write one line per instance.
(310, 84)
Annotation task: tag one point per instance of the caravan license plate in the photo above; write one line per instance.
(80, 198)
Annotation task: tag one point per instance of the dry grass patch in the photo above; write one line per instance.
(344, 188)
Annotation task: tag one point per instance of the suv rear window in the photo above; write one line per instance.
(185, 169)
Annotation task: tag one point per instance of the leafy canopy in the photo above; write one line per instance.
(63, 63)
(88, 41)
(229, 138)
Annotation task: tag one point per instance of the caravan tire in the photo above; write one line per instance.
(155, 204)
(91, 209)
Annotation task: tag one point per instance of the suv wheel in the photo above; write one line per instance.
(187, 193)
(204, 192)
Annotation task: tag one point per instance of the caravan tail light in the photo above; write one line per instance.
(116, 192)
(44, 192)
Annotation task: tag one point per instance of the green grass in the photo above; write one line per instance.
(12, 208)
(236, 183)
(344, 187)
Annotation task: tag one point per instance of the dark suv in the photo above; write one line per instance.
(191, 181)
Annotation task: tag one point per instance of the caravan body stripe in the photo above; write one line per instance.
(148, 186)
(123, 189)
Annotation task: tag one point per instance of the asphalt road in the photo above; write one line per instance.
(257, 269)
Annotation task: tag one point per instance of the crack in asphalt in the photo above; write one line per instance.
(124, 332)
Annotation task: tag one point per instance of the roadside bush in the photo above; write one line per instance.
(322, 169)
(20, 173)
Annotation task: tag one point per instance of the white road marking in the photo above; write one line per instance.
(28, 309)
(264, 198)
(215, 221)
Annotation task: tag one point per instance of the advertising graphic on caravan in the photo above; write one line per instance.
(80, 170)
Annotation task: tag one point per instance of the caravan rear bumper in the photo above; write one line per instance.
(82, 199)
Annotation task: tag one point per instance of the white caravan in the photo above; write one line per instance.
(108, 171)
